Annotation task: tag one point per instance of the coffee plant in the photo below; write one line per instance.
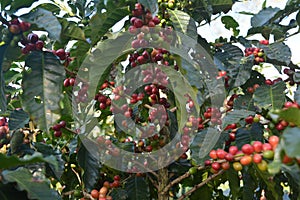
(124, 99)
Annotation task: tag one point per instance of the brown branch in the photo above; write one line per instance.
(178, 180)
(85, 194)
(188, 193)
(152, 181)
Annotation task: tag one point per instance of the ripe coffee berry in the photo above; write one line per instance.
(225, 165)
(233, 150)
(229, 157)
(246, 160)
(213, 154)
(247, 149)
(257, 158)
(221, 153)
(257, 146)
(273, 140)
(216, 166)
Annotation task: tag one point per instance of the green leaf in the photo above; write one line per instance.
(263, 6)
(41, 88)
(203, 142)
(228, 55)
(297, 95)
(16, 141)
(16, 4)
(249, 185)
(221, 6)
(291, 144)
(36, 187)
(46, 20)
(291, 115)
(90, 165)
(270, 97)
(13, 161)
(204, 192)
(18, 119)
(294, 172)
(246, 135)
(278, 52)
(70, 29)
(118, 193)
(234, 183)
(264, 16)
(152, 5)
(298, 18)
(296, 77)
(47, 151)
(101, 23)
(79, 49)
(183, 23)
(244, 102)
(235, 116)
(272, 186)
(242, 72)
(231, 24)
(137, 188)
(2, 83)
(5, 3)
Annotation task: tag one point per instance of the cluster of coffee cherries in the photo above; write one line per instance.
(69, 82)
(32, 43)
(233, 129)
(103, 100)
(4, 130)
(82, 95)
(57, 128)
(257, 52)
(167, 4)
(273, 82)
(142, 26)
(214, 115)
(154, 55)
(101, 194)
(16, 27)
(256, 152)
(282, 124)
(252, 89)
(290, 73)
(106, 143)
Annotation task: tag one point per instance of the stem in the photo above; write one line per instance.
(178, 180)
(163, 178)
(188, 193)
(85, 194)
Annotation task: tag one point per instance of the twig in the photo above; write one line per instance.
(85, 194)
(152, 181)
(178, 180)
(188, 193)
